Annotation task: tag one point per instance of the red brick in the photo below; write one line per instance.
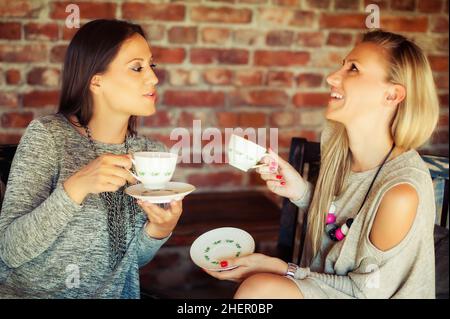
(21, 9)
(88, 10)
(404, 24)
(324, 59)
(443, 99)
(292, 3)
(229, 56)
(217, 76)
(160, 119)
(339, 39)
(252, 119)
(185, 35)
(285, 136)
(247, 37)
(182, 77)
(430, 6)
(443, 120)
(243, 120)
(13, 76)
(58, 53)
(215, 35)
(36, 31)
(311, 99)
(346, 5)
(10, 138)
(248, 77)
(441, 80)
(347, 21)
(216, 179)
(43, 76)
(403, 5)
(279, 38)
(186, 119)
(222, 15)
(309, 80)
(161, 75)
(9, 99)
(154, 32)
(16, 119)
(10, 30)
(228, 119)
(275, 16)
(280, 78)
(440, 25)
(281, 58)
(154, 11)
(194, 98)
(310, 39)
(303, 18)
(382, 4)
(283, 119)
(438, 63)
(270, 98)
(67, 34)
(168, 55)
(318, 4)
(41, 98)
(23, 53)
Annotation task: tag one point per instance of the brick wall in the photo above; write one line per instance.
(229, 63)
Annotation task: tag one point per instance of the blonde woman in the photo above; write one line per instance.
(371, 215)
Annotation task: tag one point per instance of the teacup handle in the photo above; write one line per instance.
(132, 174)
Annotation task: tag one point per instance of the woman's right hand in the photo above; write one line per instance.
(281, 178)
(107, 173)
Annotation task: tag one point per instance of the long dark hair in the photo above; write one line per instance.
(90, 52)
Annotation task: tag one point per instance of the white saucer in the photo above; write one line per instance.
(208, 250)
(172, 191)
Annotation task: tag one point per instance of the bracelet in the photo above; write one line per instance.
(291, 270)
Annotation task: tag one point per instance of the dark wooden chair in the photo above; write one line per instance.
(7, 152)
(304, 156)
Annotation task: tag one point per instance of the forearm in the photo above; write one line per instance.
(304, 201)
(29, 235)
(148, 246)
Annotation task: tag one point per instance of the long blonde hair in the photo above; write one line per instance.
(414, 122)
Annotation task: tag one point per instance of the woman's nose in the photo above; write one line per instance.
(151, 78)
(334, 79)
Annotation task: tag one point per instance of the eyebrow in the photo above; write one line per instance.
(140, 59)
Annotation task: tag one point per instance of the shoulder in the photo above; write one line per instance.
(53, 123)
(395, 216)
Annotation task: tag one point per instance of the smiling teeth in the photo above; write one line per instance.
(336, 95)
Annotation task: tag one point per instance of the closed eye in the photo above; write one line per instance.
(137, 68)
(353, 68)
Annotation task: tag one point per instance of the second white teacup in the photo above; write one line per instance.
(154, 169)
(244, 154)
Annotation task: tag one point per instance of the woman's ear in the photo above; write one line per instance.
(95, 84)
(395, 94)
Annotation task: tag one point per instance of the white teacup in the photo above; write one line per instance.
(244, 154)
(154, 169)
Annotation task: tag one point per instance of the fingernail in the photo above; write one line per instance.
(283, 183)
(223, 264)
(279, 176)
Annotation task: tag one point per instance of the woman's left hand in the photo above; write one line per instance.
(161, 221)
(249, 265)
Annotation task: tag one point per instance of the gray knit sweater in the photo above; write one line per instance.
(51, 247)
(354, 267)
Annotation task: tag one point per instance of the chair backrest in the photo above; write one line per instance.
(304, 156)
(7, 152)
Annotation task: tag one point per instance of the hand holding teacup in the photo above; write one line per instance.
(281, 178)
